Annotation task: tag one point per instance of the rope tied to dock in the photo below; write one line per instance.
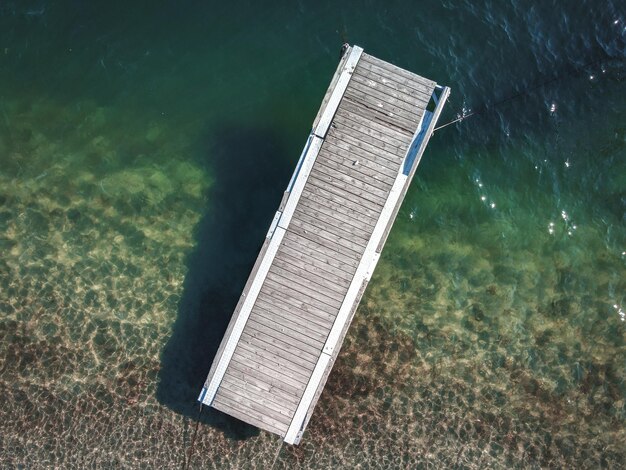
(189, 453)
(490, 107)
(280, 447)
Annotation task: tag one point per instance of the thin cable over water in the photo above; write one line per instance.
(489, 107)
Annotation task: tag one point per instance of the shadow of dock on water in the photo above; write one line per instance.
(250, 176)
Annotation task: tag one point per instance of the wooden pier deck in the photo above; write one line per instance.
(323, 244)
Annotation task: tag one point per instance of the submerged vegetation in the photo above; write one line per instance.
(139, 170)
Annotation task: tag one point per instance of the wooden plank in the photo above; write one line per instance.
(321, 179)
(259, 378)
(368, 158)
(365, 118)
(356, 239)
(263, 390)
(307, 303)
(353, 143)
(268, 362)
(353, 168)
(364, 270)
(278, 288)
(308, 269)
(394, 71)
(344, 255)
(298, 268)
(319, 252)
(305, 361)
(246, 359)
(369, 144)
(285, 307)
(255, 419)
(341, 122)
(259, 398)
(319, 195)
(405, 119)
(237, 377)
(380, 113)
(311, 281)
(312, 325)
(296, 338)
(362, 275)
(360, 168)
(227, 397)
(323, 293)
(357, 145)
(345, 223)
(290, 321)
(375, 115)
(262, 361)
(257, 360)
(351, 177)
(304, 302)
(305, 288)
(357, 197)
(262, 399)
(317, 208)
(413, 89)
(417, 99)
(379, 95)
(332, 208)
(233, 320)
(328, 238)
(366, 265)
(301, 343)
(271, 365)
(286, 359)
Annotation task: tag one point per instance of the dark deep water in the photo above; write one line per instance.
(144, 147)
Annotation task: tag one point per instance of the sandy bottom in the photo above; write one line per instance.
(478, 344)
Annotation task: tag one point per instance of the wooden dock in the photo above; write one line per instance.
(323, 244)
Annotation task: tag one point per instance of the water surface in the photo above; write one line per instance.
(144, 149)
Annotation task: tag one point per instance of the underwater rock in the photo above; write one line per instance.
(73, 215)
(477, 312)
(559, 308)
(154, 132)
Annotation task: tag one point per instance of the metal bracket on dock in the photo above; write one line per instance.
(274, 224)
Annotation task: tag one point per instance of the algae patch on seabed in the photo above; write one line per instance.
(465, 349)
(489, 335)
(93, 260)
(477, 347)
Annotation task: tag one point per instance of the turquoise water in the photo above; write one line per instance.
(144, 149)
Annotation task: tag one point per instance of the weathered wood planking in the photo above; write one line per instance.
(323, 244)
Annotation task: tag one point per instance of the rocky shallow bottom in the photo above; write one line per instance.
(464, 352)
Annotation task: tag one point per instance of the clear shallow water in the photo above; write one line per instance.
(143, 151)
